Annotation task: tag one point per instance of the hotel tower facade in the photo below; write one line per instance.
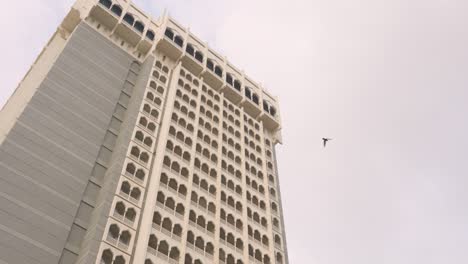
(131, 141)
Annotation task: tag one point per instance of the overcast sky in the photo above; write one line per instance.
(387, 80)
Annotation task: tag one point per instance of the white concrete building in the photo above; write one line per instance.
(131, 141)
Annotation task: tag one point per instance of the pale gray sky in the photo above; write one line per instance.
(388, 80)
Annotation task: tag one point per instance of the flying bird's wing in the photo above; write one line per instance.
(324, 142)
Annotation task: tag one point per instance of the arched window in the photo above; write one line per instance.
(169, 33)
(117, 10)
(190, 49)
(255, 99)
(218, 71)
(179, 41)
(107, 256)
(150, 35)
(199, 56)
(139, 26)
(210, 64)
(106, 3)
(129, 19)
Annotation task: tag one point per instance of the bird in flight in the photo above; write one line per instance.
(325, 140)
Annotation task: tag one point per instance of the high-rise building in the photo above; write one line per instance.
(131, 141)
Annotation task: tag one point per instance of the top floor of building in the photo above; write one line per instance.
(145, 35)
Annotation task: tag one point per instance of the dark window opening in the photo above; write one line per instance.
(199, 56)
(169, 33)
(237, 85)
(229, 79)
(179, 41)
(255, 98)
(248, 94)
(150, 35)
(265, 106)
(117, 10)
(209, 64)
(129, 19)
(106, 3)
(190, 50)
(139, 26)
(218, 71)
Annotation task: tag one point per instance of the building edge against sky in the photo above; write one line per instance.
(131, 141)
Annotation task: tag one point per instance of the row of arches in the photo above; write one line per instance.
(258, 255)
(232, 220)
(180, 121)
(151, 126)
(162, 67)
(251, 133)
(140, 137)
(178, 151)
(184, 110)
(230, 155)
(229, 238)
(166, 225)
(157, 88)
(255, 234)
(190, 260)
(208, 127)
(140, 155)
(214, 67)
(252, 145)
(174, 36)
(253, 171)
(231, 130)
(205, 152)
(254, 185)
(156, 100)
(160, 77)
(252, 198)
(251, 95)
(267, 107)
(135, 172)
(207, 139)
(231, 169)
(153, 112)
(253, 157)
(202, 203)
(128, 18)
(210, 103)
(117, 237)
(209, 115)
(253, 215)
(233, 109)
(252, 122)
(202, 222)
(186, 98)
(180, 136)
(175, 167)
(189, 77)
(233, 82)
(211, 93)
(205, 168)
(236, 188)
(130, 192)
(230, 201)
(186, 88)
(231, 142)
(155, 245)
(204, 185)
(194, 52)
(107, 257)
(231, 119)
(169, 203)
(172, 185)
(124, 214)
(199, 242)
